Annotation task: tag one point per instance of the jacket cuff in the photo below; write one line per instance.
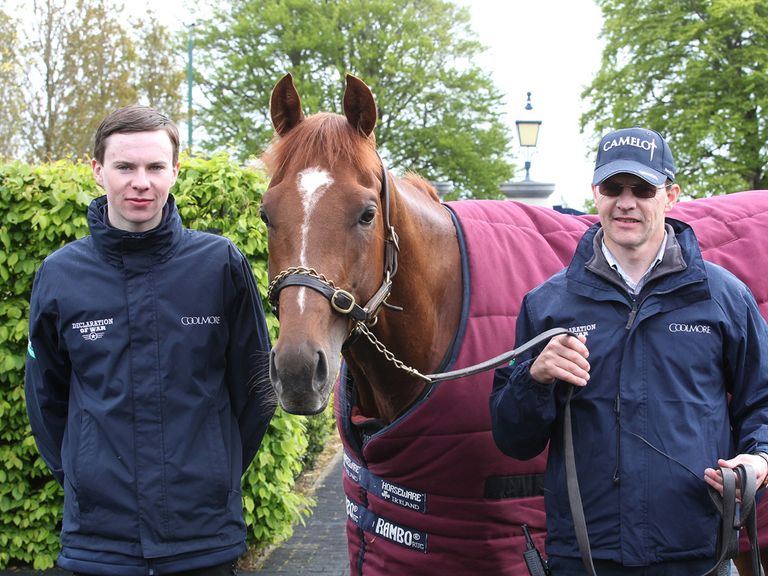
(542, 391)
(764, 456)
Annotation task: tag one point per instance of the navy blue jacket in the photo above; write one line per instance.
(656, 410)
(145, 391)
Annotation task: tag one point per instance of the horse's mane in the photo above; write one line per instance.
(323, 138)
(422, 184)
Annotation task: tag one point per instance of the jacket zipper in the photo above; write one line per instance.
(617, 402)
(632, 313)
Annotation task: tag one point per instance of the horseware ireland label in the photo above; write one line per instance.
(389, 491)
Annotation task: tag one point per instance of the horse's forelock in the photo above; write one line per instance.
(322, 139)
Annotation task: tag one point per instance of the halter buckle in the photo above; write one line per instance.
(341, 307)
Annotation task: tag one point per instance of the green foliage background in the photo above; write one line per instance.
(440, 114)
(42, 208)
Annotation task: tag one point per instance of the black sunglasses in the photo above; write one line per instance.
(613, 189)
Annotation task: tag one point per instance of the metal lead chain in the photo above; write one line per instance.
(388, 355)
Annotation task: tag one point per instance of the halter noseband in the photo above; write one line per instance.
(343, 301)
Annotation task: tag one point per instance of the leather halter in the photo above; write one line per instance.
(341, 300)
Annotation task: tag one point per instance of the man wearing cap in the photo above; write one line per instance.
(664, 339)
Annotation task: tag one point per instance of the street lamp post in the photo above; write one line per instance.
(528, 135)
(190, 77)
(527, 190)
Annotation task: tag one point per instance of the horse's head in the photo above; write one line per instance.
(327, 227)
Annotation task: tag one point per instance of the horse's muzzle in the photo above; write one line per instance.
(302, 378)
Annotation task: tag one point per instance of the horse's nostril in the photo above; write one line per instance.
(321, 372)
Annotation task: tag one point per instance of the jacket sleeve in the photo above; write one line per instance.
(523, 411)
(248, 360)
(46, 378)
(746, 361)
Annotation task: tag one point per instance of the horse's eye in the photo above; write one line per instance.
(368, 215)
(263, 216)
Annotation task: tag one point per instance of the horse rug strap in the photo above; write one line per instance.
(396, 494)
(728, 537)
(377, 525)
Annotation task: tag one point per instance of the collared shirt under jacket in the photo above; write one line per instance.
(655, 412)
(141, 392)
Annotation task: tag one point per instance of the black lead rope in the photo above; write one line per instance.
(730, 522)
(574, 496)
(501, 358)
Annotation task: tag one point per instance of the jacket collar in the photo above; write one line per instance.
(158, 244)
(682, 258)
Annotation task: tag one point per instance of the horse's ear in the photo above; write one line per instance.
(359, 106)
(285, 105)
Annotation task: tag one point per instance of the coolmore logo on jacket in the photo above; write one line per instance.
(93, 329)
(690, 328)
(200, 320)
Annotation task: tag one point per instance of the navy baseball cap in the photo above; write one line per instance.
(637, 151)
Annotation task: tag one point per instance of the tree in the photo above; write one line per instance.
(83, 59)
(159, 69)
(439, 115)
(694, 70)
(11, 94)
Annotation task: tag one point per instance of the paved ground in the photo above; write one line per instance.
(320, 546)
(317, 548)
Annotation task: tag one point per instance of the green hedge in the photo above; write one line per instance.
(41, 209)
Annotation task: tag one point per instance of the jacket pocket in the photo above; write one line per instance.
(71, 520)
(99, 485)
(200, 489)
(85, 460)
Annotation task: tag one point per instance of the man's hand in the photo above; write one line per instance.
(563, 358)
(715, 478)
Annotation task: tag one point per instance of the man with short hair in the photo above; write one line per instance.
(145, 371)
(665, 338)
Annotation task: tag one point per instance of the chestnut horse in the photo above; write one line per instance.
(376, 269)
(324, 210)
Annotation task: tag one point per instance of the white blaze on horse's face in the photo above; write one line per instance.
(312, 183)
